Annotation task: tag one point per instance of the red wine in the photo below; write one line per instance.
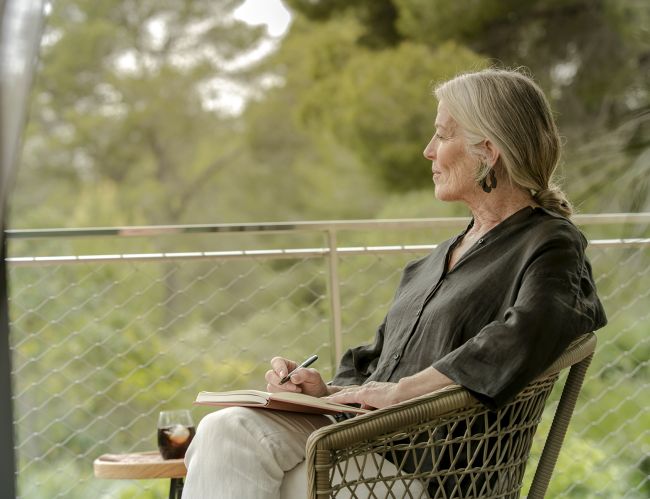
(174, 440)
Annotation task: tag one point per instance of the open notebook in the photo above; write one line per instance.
(281, 401)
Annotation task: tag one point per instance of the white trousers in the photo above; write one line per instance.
(243, 453)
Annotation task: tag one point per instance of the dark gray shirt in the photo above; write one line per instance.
(505, 312)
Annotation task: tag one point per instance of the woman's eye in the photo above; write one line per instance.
(438, 136)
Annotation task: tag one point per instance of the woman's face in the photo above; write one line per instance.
(453, 167)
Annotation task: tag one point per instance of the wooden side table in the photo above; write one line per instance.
(140, 466)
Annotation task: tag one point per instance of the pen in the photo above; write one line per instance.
(306, 363)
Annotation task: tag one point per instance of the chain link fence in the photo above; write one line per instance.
(102, 342)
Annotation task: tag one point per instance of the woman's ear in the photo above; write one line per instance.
(491, 152)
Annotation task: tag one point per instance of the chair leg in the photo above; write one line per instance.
(558, 429)
(175, 488)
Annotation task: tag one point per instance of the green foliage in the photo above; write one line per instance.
(47, 482)
(368, 107)
(584, 469)
(566, 43)
(312, 173)
(121, 100)
(377, 16)
(359, 95)
(588, 56)
(436, 21)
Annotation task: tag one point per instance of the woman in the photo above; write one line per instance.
(489, 309)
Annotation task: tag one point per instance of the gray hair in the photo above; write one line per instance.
(509, 109)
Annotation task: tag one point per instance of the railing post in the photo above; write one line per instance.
(335, 299)
(7, 456)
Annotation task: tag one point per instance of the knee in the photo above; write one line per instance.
(215, 430)
(221, 424)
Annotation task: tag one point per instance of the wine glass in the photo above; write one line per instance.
(175, 432)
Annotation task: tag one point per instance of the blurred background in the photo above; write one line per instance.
(149, 112)
(175, 112)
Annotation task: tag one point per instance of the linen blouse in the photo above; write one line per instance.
(508, 308)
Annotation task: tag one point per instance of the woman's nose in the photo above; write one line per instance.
(430, 151)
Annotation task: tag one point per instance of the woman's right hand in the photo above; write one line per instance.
(304, 380)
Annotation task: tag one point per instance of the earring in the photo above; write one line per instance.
(493, 182)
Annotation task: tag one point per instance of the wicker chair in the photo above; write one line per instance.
(447, 443)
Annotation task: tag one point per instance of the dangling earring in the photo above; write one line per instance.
(487, 187)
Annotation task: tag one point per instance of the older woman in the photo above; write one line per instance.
(489, 309)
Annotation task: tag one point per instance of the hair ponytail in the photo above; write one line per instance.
(553, 199)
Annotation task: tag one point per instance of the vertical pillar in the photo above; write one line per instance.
(335, 299)
(21, 27)
(7, 459)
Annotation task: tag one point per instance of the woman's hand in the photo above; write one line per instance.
(304, 380)
(372, 395)
(375, 394)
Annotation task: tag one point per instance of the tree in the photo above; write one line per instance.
(591, 58)
(121, 100)
(588, 55)
(377, 104)
(378, 18)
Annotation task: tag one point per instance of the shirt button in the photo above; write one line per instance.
(481, 241)
(396, 356)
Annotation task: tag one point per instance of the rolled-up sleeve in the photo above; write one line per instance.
(555, 303)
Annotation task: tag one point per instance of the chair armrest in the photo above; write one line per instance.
(579, 349)
(392, 418)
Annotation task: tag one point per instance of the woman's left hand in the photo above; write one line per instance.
(372, 395)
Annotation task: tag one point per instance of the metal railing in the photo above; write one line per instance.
(109, 325)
